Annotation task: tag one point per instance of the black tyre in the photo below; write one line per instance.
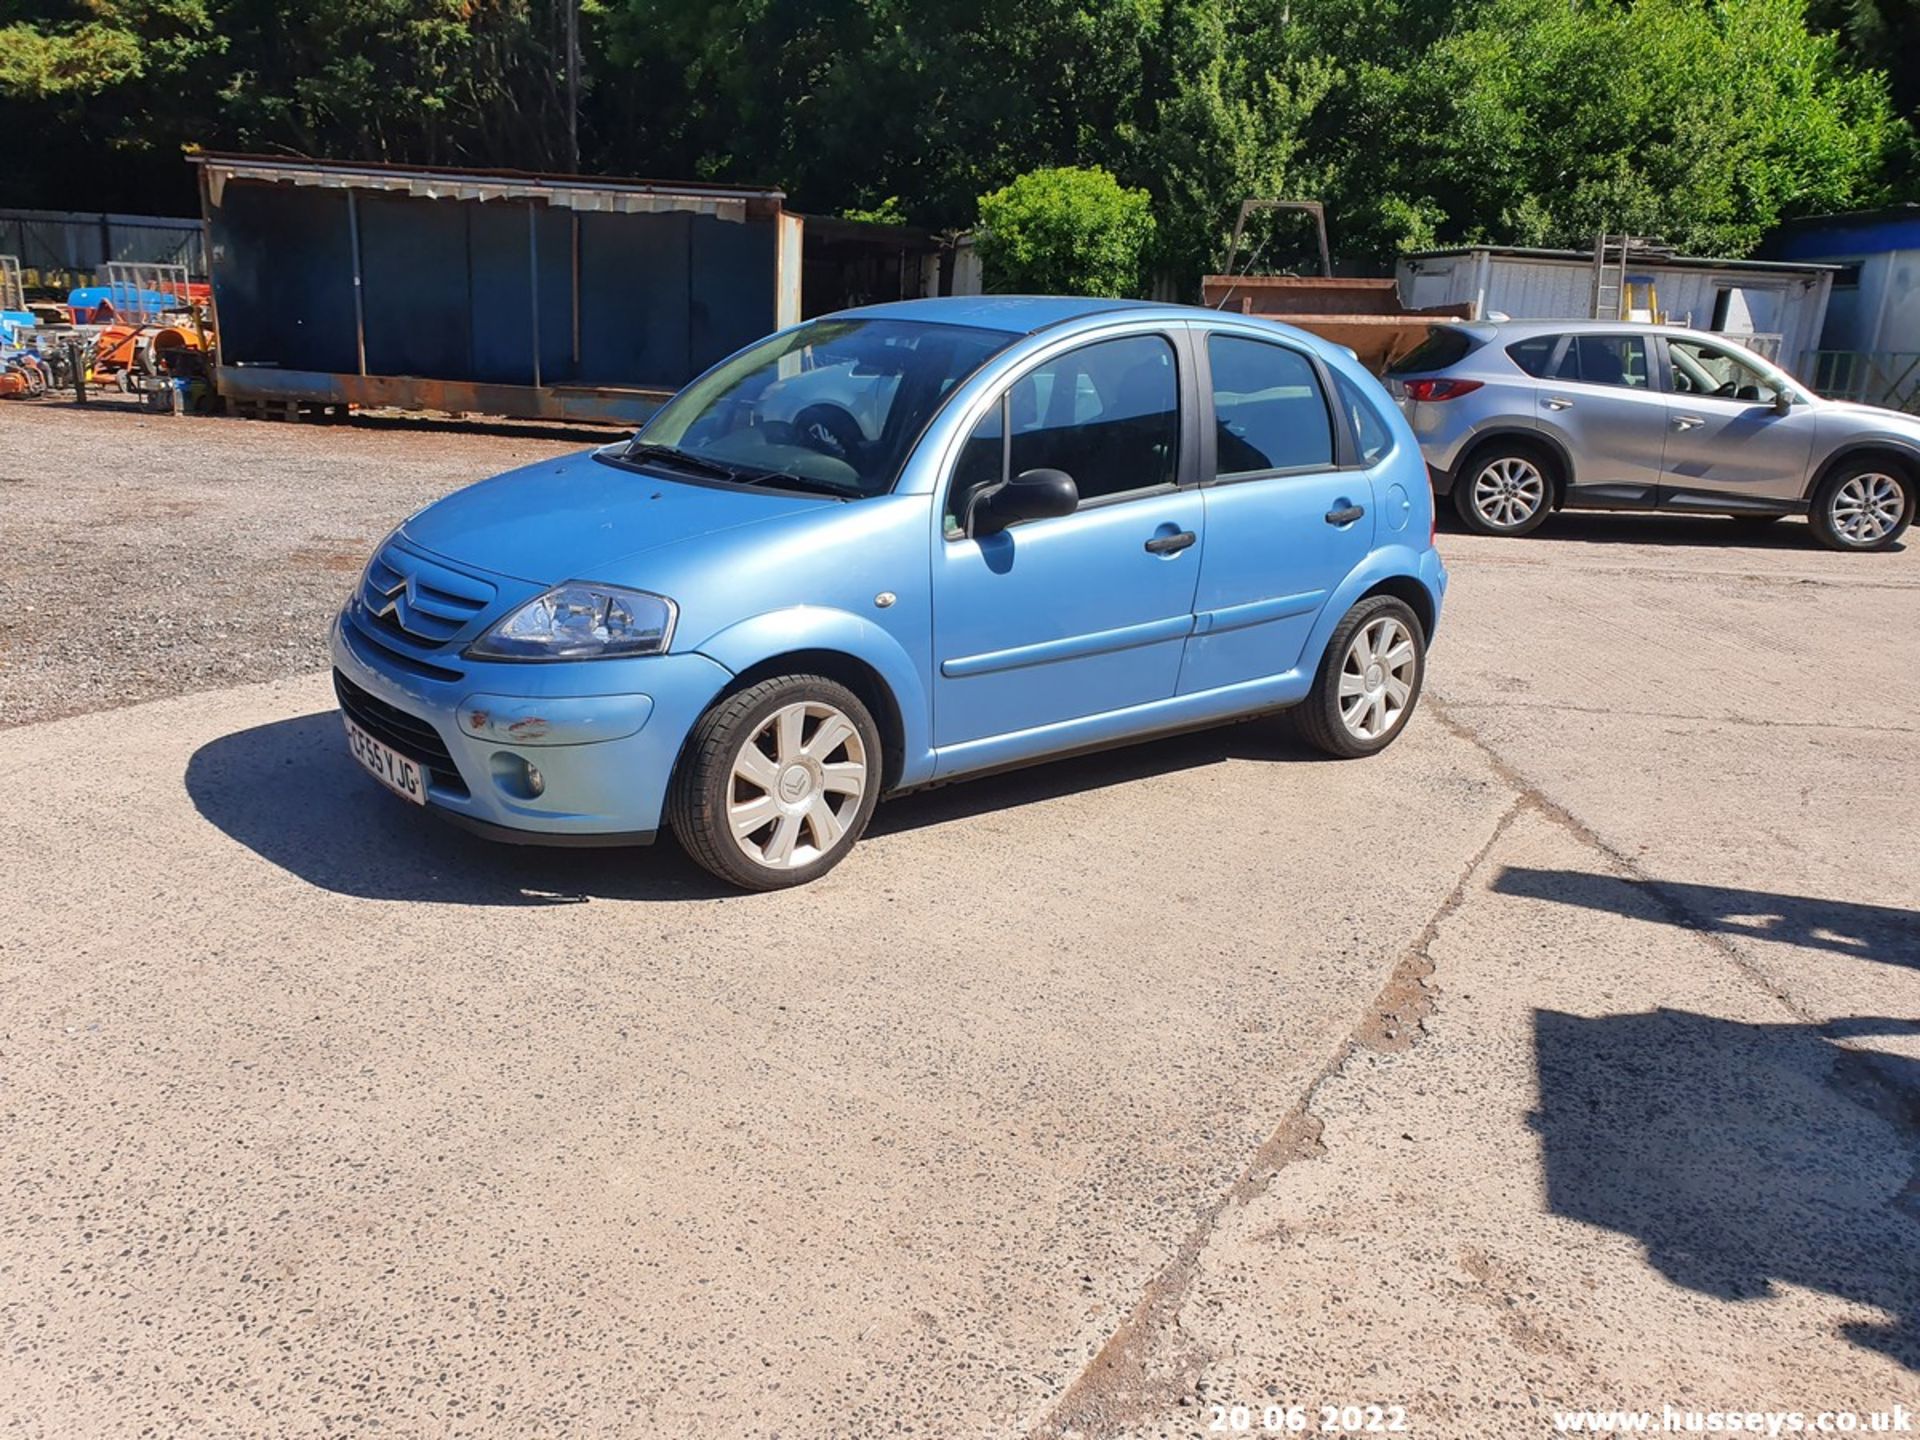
(1368, 682)
(1863, 505)
(1505, 489)
(777, 782)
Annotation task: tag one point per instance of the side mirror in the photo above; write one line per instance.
(1030, 495)
(1782, 402)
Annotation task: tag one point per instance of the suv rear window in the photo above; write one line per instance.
(1447, 345)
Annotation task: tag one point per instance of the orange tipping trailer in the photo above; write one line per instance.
(1366, 316)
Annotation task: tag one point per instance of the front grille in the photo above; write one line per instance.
(364, 637)
(409, 734)
(420, 600)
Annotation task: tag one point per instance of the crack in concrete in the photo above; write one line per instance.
(1145, 1366)
(1857, 1074)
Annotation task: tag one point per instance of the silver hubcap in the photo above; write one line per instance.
(1508, 492)
(1866, 508)
(1376, 679)
(797, 783)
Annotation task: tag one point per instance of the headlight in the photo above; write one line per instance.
(577, 621)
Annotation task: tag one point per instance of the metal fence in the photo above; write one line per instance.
(1888, 377)
(62, 248)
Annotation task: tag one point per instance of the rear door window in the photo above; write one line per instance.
(1608, 360)
(1269, 410)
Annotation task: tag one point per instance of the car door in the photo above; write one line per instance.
(1055, 620)
(1285, 522)
(1598, 398)
(1726, 441)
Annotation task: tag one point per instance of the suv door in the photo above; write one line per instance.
(1056, 620)
(1285, 524)
(1600, 401)
(1726, 442)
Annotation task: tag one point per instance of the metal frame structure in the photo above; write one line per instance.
(1305, 207)
(131, 282)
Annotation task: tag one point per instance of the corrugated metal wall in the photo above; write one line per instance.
(1526, 288)
(449, 293)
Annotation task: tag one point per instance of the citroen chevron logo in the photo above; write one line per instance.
(392, 594)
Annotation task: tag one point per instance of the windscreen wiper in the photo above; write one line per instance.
(738, 474)
(685, 459)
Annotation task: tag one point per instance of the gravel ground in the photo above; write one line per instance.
(146, 555)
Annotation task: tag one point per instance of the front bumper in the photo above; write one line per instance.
(603, 734)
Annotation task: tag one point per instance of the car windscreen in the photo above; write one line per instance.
(834, 405)
(1446, 345)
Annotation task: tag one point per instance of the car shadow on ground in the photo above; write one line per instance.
(1714, 532)
(1265, 738)
(290, 793)
(1728, 1151)
(1884, 933)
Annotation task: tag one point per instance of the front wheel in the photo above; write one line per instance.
(1368, 682)
(777, 782)
(1862, 506)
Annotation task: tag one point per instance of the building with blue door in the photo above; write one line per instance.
(1870, 347)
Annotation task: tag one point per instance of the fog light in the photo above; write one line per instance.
(516, 777)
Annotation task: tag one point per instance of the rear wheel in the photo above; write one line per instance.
(1506, 489)
(1368, 682)
(1862, 506)
(778, 782)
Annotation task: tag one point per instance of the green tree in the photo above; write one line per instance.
(1067, 232)
(1230, 129)
(1540, 123)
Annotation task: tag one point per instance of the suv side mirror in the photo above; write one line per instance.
(1783, 402)
(1030, 495)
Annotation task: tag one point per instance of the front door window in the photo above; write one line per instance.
(1703, 369)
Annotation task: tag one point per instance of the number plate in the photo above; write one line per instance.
(392, 769)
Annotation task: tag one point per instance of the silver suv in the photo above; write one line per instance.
(1519, 419)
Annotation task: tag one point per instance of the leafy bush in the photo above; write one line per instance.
(1065, 232)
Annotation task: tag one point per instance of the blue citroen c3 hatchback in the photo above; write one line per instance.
(893, 546)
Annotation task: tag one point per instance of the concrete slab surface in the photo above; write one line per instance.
(1563, 1055)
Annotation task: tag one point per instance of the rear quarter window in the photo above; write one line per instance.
(1370, 432)
(1535, 355)
(1446, 345)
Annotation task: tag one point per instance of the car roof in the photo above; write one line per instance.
(1487, 330)
(1015, 314)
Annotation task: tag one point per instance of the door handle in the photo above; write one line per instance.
(1346, 515)
(1559, 402)
(1687, 422)
(1170, 544)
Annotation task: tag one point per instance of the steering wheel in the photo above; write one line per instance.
(831, 430)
